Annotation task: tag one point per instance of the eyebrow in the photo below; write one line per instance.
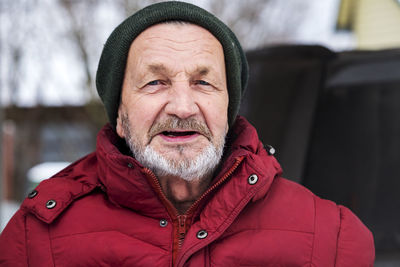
(154, 69)
(203, 71)
(157, 68)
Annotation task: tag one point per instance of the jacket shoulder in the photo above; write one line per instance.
(52, 196)
(13, 242)
(355, 243)
(338, 235)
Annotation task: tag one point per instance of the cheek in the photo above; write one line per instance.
(216, 115)
(142, 113)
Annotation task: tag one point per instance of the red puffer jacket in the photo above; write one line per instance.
(107, 210)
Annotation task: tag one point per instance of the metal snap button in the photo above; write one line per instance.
(51, 204)
(202, 234)
(270, 150)
(163, 223)
(253, 179)
(32, 194)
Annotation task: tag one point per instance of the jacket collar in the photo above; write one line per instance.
(127, 184)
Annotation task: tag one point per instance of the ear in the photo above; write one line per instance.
(119, 128)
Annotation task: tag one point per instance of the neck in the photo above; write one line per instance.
(182, 193)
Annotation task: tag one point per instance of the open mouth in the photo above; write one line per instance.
(178, 134)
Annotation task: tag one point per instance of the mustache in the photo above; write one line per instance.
(175, 123)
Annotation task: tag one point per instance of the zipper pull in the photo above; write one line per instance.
(181, 228)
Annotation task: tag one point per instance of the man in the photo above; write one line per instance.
(193, 186)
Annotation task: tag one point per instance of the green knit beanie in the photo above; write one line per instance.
(110, 73)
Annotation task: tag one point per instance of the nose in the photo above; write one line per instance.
(181, 101)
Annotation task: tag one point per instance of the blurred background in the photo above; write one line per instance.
(324, 91)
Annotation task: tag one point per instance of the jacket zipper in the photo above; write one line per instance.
(181, 219)
(173, 212)
(214, 186)
(181, 230)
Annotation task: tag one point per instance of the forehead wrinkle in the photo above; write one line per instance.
(173, 44)
(181, 41)
(160, 68)
(196, 51)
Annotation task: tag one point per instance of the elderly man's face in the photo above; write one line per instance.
(173, 111)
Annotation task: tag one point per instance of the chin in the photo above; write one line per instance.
(177, 156)
(183, 151)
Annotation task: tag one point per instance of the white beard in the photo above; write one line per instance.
(202, 166)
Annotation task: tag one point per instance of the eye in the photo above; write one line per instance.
(201, 82)
(155, 82)
(154, 86)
